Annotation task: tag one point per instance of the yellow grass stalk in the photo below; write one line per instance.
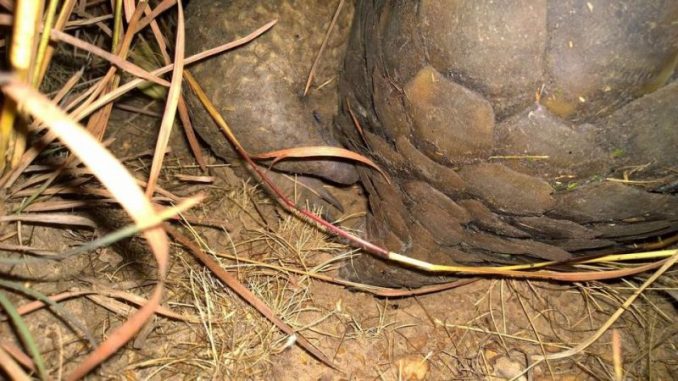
(44, 42)
(60, 24)
(26, 22)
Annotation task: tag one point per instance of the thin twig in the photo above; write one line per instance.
(311, 74)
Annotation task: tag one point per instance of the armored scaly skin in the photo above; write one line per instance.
(443, 88)
(484, 171)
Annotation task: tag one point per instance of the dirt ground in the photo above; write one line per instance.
(488, 329)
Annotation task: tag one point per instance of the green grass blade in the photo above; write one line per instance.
(55, 307)
(24, 334)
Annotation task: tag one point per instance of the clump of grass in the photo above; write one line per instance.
(29, 62)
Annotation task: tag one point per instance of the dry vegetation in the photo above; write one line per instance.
(249, 289)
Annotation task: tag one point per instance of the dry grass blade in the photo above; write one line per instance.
(50, 206)
(98, 20)
(6, 19)
(68, 86)
(10, 177)
(617, 361)
(52, 218)
(124, 89)
(111, 293)
(311, 74)
(163, 6)
(190, 134)
(121, 184)
(7, 4)
(233, 44)
(424, 290)
(18, 355)
(317, 151)
(128, 7)
(124, 309)
(25, 249)
(182, 108)
(10, 366)
(170, 106)
(98, 123)
(195, 179)
(159, 37)
(58, 36)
